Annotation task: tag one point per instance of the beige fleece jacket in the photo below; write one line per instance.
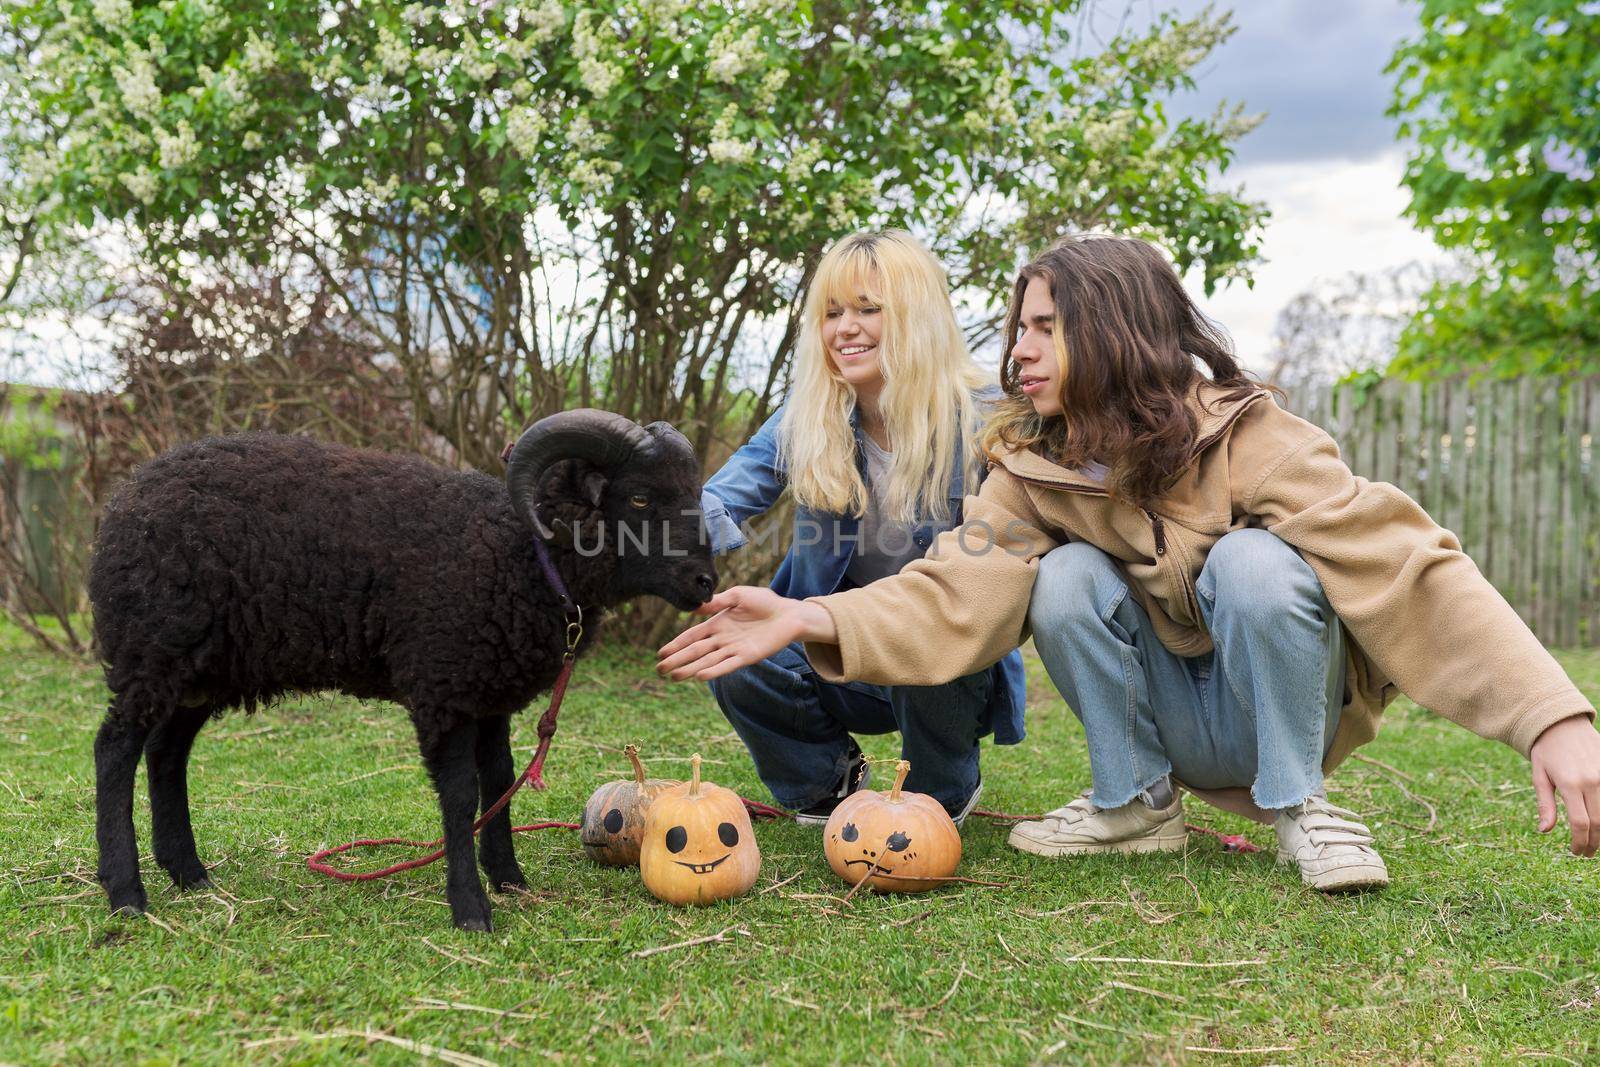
(1419, 616)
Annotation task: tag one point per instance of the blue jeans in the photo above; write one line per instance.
(1259, 711)
(797, 727)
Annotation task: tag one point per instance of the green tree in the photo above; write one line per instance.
(547, 204)
(1502, 101)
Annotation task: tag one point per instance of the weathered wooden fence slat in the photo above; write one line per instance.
(1509, 466)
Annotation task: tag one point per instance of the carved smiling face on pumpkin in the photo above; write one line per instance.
(698, 844)
(905, 842)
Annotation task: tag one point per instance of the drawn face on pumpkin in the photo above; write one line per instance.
(698, 845)
(613, 820)
(887, 853)
(897, 842)
(696, 859)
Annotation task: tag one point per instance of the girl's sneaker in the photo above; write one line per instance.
(856, 776)
(1334, 851)
(1080, 828)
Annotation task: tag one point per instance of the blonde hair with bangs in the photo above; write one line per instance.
(928, 379)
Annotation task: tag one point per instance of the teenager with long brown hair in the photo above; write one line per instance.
(1224, 605)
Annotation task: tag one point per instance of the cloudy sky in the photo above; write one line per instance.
(1325, 159)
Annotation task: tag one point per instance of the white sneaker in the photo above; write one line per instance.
(1081, 828)
(1334, 851)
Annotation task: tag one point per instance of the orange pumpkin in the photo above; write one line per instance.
(907, 842)
(613, 819)
(698, 844)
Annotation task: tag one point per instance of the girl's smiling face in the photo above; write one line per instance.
(1039, 369)
(851, 333)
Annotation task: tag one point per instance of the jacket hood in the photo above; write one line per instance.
(1215, 416)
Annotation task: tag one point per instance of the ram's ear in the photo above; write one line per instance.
(568, 498)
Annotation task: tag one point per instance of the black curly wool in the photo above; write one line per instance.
(233, 570)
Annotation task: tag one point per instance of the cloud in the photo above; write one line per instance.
(1315, 68)
(1329, 219)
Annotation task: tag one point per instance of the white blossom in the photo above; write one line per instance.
(591, 44)
(138, 85)
(730, 150)
(1101, 135)
(259, 56)
(113, 14)
(524, 128)
(584, 137)
(661, 11)
(732, 56)
(802, 164)
(393, 54)
(176, 149)
(479, 65)
(771, 85)
(141, 183)
(598, 77)
(839, 214)
(593, 175)
(489, 195)
(722, 129)
(433, 58)
(544, 20)
(252, 141)
(384, 191)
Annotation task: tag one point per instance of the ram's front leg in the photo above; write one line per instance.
(448, 751)
(496, 772)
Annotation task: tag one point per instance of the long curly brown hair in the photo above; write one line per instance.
(1129, 342)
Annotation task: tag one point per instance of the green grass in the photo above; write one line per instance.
(1484, 949)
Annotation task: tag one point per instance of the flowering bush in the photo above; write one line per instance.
(613, 203)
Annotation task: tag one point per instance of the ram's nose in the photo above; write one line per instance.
(706, 583)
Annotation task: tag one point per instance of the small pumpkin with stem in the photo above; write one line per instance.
(698, 844)
(613, 820)
(905, 842)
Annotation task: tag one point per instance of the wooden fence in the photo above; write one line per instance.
(1509, 466)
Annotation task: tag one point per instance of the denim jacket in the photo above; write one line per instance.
(820, 551)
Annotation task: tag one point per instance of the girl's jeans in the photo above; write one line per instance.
(1259, 711)
(797, 727)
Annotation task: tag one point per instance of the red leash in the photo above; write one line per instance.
(533, 775)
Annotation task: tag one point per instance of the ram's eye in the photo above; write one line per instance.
(640, 502)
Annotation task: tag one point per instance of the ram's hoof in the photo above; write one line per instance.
(189, 877)
(129, 902)
(510, 881)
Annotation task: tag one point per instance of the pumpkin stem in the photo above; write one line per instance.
(694, 775)
(901, 769)
(632, 752)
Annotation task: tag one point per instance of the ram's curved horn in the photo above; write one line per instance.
(603, 438)
(667, 437)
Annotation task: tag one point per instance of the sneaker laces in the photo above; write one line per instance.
(1323, 826)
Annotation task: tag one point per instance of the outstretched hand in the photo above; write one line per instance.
(1566, 760)
(748, 623)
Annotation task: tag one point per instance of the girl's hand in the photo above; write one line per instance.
(1566, 759)
(748, 624)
